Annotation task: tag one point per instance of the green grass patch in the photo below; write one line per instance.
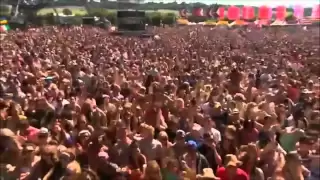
(82, 11)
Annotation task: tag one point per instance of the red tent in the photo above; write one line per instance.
(233, 13)
(281, 13)
(248, 12)
(265, 12)
(220, 12)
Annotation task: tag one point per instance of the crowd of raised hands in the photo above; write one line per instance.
(190, 103)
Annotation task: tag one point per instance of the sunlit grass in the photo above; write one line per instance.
(75, 10)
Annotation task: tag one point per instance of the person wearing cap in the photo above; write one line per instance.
(43, 136)
(193, 159)
(231, 170)
(106, 169)
(234, 118)
(179, 146)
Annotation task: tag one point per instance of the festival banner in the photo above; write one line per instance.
(233, 13)
(265, 12)
(248, 12)
(298, 11)
(281, 13)
(316, 12)
(197, 12)
(220, 12)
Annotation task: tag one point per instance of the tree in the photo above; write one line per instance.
(169, 18)
(156, 19)
(291, 17)
(66, 12)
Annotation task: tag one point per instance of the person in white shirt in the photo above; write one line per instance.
(208, 127)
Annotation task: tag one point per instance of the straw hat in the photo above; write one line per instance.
(189, 174)
(232, 160)
(207, 174)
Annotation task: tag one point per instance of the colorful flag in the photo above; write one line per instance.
(233, 13)
(4, 28)
(298, 11)
(197, 12)
(281, 13)
(265, 12)
(220, 12)
(316, 12)
(248, 12)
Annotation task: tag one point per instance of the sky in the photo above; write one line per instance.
(288, 3)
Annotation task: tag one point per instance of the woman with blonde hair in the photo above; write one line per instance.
(152, 171)
(72, 171)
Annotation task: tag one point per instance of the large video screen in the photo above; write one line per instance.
(131, 20)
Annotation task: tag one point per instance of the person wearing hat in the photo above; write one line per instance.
(193, 159)
(43, 136)
(179, 146)
(231, 170)
(207, 175)
(235, 118)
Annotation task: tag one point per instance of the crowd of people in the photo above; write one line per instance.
(192, 103)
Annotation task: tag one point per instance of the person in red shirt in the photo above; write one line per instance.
(231, 170)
